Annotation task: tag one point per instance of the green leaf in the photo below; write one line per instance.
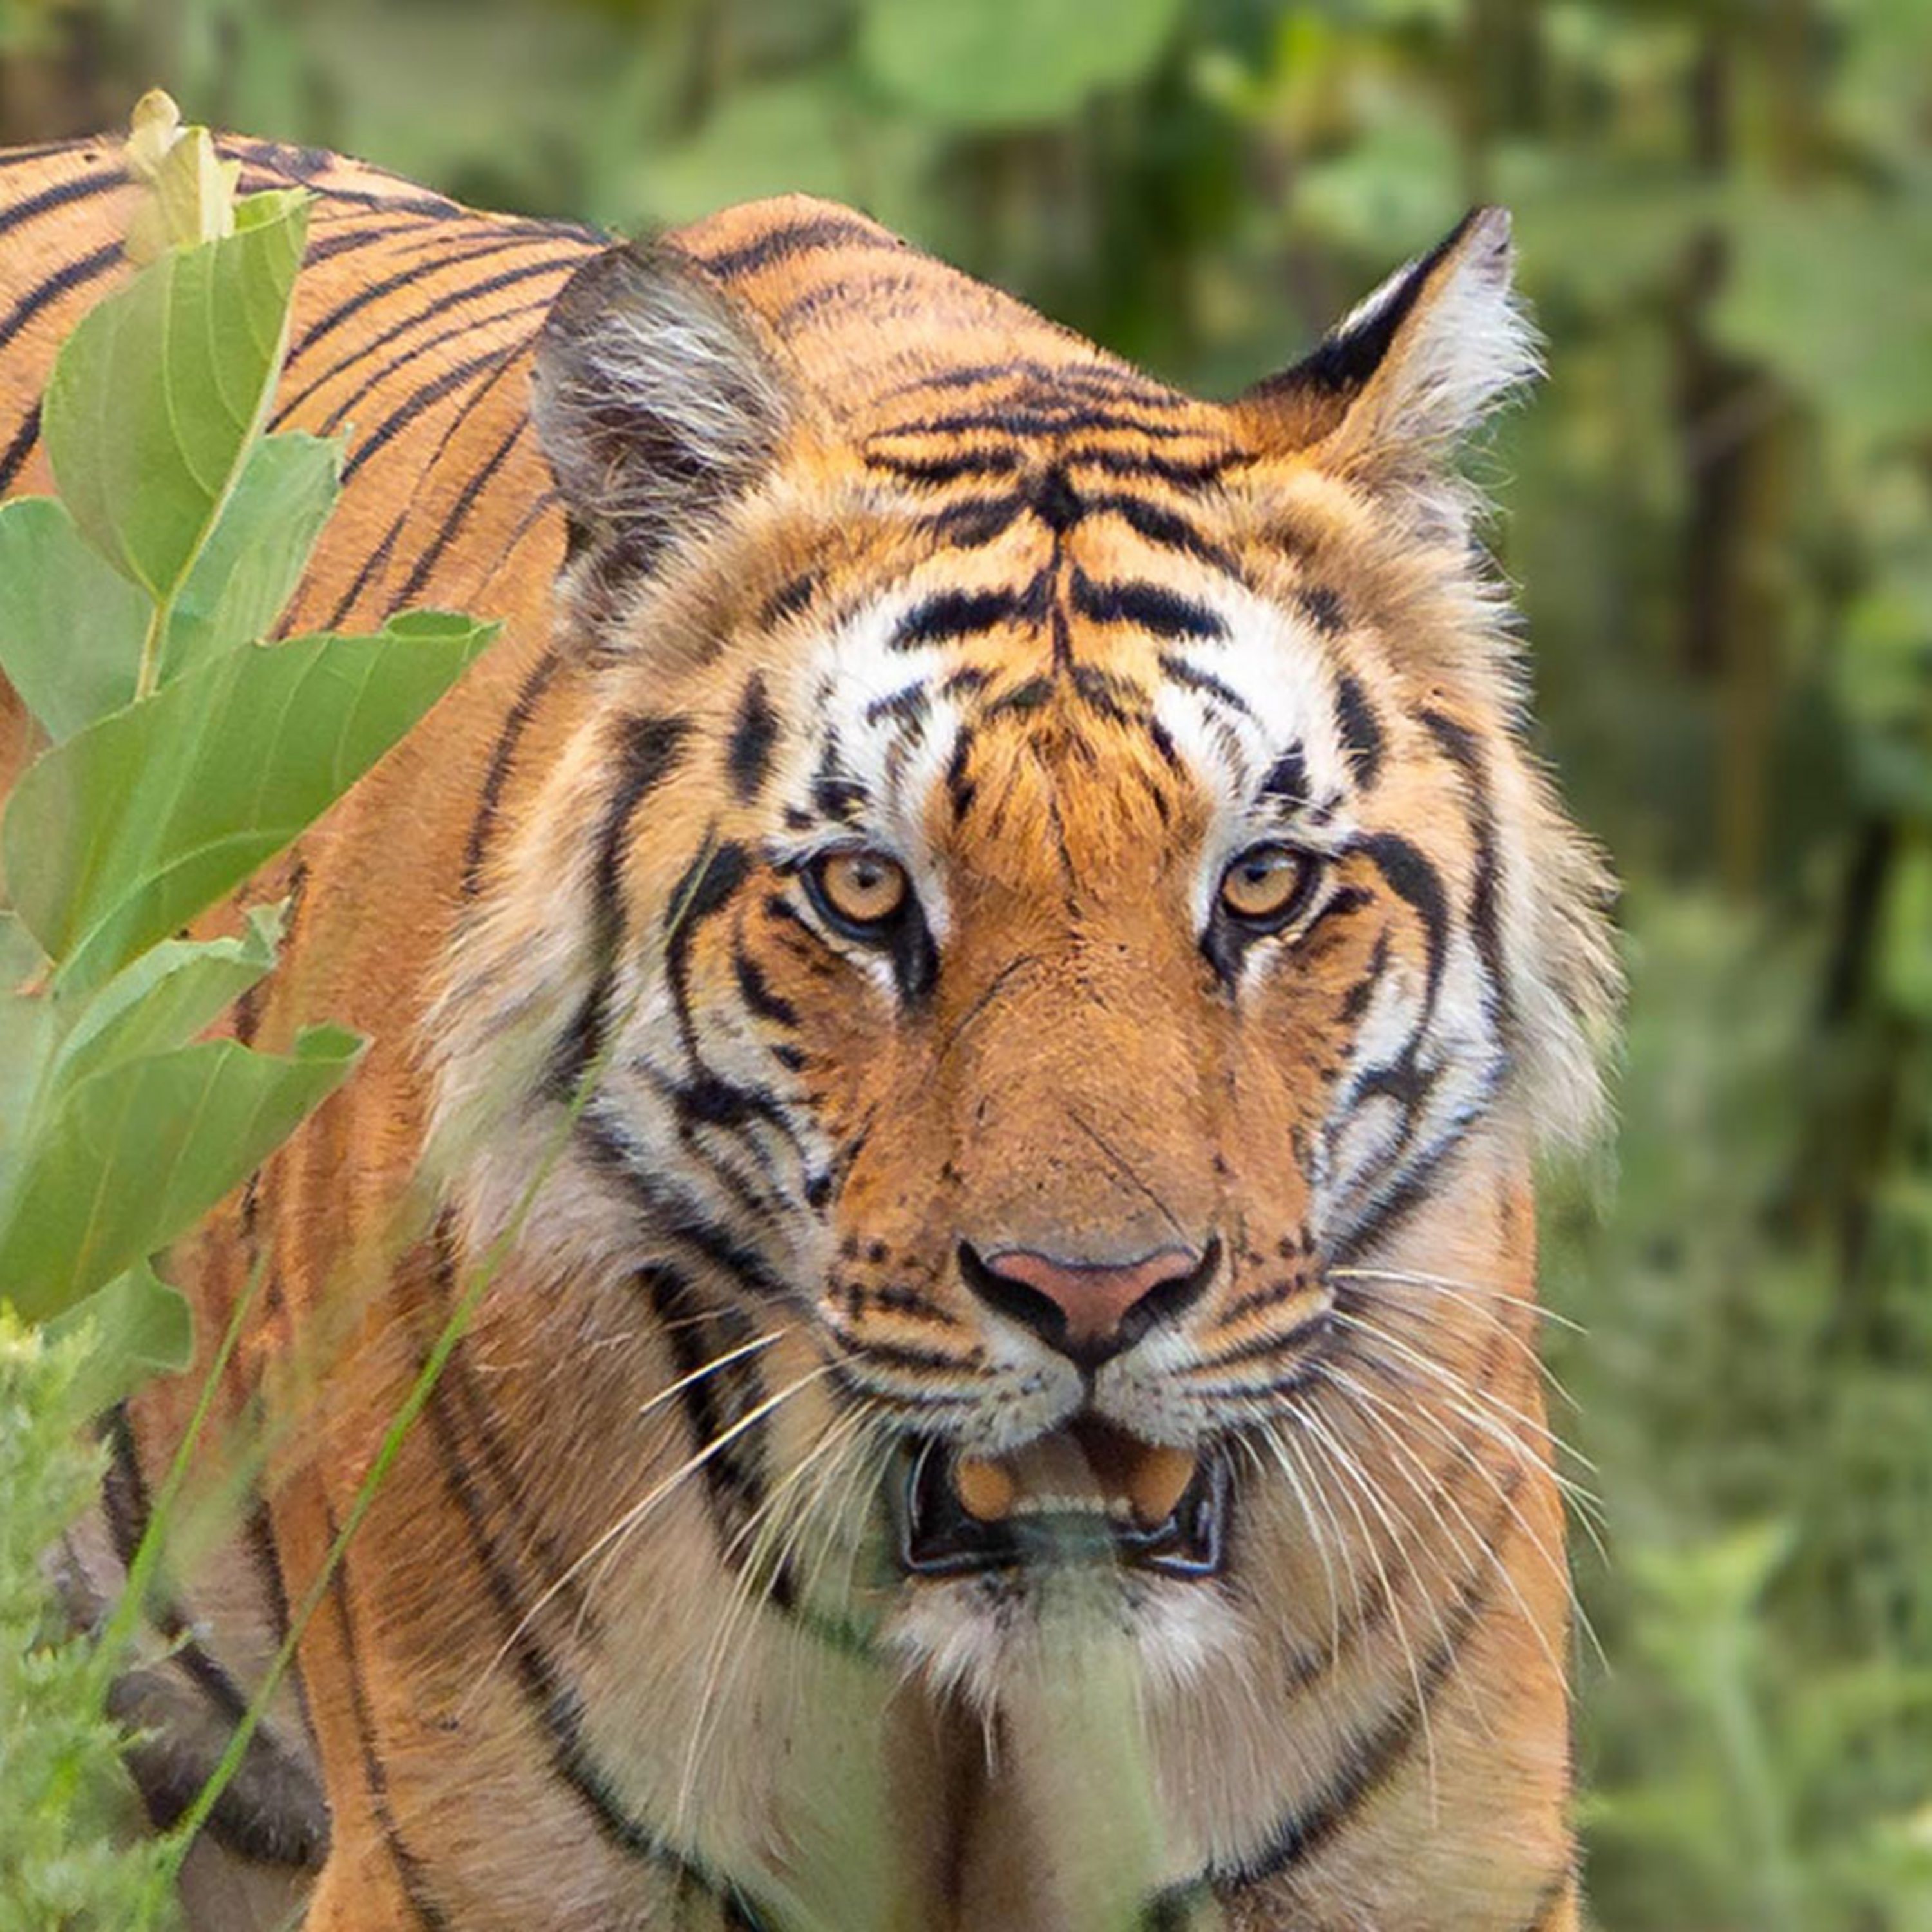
(27, 1035)
(156, 394)
(166, 997)
(140, 1327)
(132, 1156)
(253, 559)
(1009, 63)
(120, 836)
(70, 627)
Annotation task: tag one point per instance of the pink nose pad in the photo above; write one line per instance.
(1089, 1310)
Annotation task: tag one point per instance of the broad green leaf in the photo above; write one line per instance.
(156, 394)
(166, 996)
(70, 627)
(140, 1327)
(249, 568)
(27, 1034)
(120, 836)
(1009, 63)
(134, 1156)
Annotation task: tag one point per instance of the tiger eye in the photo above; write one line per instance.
(1263, 884)
(865, 888)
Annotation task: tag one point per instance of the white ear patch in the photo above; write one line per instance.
(1464, 344)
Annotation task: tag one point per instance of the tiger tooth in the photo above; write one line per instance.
(1158, 1481)
(985, 1490)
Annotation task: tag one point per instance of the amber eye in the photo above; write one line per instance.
(863, 891)
(1264, 885)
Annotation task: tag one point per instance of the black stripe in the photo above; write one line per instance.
(358, 299)
(124, 1497)
(1322, 607)
(706, 888)
(671, 1212)
(1100, 378)
(937, 469)
(68, 276)
(556, 1703)
(1462, 746)
(1359, 728)
(798, 238)
(789, 599)
(502, 755)
(375, 1774)
(1137, 463)
(13, 460)
(757, 993)
(378, 558)
(748, 756)
(1414, 879)
(527, 272)
(951, 614)
(977, 520)
(1183, 673)
(645, 751)
(1375, 1755)
(425, 397)
(1039, 415)
(350, 238)
(1287, 778)
(457, 515)
(733, 1477)
(62, 194)
(1164, 527)
(1149, 607)
(14, 157)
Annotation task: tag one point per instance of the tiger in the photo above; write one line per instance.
(960, 1014)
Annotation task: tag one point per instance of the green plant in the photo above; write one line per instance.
(183, 752)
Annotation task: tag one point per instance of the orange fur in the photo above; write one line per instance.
(1058, 607)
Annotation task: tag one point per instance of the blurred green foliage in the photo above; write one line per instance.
(1719, 512)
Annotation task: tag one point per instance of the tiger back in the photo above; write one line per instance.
(969, 992)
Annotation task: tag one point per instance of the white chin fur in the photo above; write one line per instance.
(987, 1640)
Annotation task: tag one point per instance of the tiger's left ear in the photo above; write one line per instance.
(1389, 392)
(655, 401)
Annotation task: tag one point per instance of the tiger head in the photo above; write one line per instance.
(1050, 879)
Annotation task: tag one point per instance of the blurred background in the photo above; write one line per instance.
(1719, 512)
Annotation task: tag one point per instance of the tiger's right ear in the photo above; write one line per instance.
(655, 401)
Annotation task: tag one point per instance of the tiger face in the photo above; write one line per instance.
(1050, 881)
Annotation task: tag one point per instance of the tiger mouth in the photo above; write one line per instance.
(1085, 1493)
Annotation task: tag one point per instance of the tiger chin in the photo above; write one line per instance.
(960, 1012)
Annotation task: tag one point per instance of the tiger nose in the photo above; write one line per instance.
(1089, 1311)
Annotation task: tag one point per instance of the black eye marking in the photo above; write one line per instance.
(1359, 729)
(1288, 778)
(749, 757)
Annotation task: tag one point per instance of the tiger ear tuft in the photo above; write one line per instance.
(1391, 390)
(655, 400)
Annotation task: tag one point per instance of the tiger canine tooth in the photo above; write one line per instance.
(1157, 1482)
(985, 1490)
